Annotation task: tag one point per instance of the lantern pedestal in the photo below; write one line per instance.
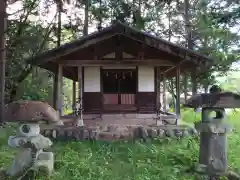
(213, 130)
(213, 142)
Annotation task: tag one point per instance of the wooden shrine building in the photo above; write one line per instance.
(119, 69)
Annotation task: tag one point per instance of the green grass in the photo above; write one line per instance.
(154, 160)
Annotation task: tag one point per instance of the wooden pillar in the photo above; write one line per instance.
(59, 68)
(177, 92)
(80, 95)
(164, 93)
(194, 83)
(55, 90)
(2, 58)
(158, 83)
(74, 95)
(57, 98)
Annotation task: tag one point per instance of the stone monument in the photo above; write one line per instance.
(213, 140)
(31, 145)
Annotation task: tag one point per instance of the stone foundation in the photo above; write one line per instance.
(118, 133)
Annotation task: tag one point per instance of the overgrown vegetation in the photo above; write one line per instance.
(207, 26)
(163, 159)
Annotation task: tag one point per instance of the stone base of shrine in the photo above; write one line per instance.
(108, 119)
(115, 116)
(116, 127)
(121, 116)
(118, 132)
(122, 119)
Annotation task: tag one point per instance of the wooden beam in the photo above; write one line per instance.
(68, 74)
(80, 90)
(80, 82)
(98, 51)
(74, 95)
(173, 67)
(141, 53)
(69, 70)
(149, 41)
(164, 92)
(158, 84)
(118, 50)
(57, 97)
(193, 79)
(65, 51)
(189, 56)
(114, 62)
(177, 109)
(113, 59)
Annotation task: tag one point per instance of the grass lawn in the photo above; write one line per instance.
(158, 159)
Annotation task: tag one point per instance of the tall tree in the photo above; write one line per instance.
(86, 17)
(2, 57)
(189, 45)
(59, 30)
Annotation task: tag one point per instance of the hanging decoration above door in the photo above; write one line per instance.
(118, 74)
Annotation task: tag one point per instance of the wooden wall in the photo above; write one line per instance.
(92, 96)
(145, 96)
(146, 102)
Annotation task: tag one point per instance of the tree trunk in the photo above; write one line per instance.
(59, 29)
(2, 58)
(25, 73)
(189, 44)
(85, 27)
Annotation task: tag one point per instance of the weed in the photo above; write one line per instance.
(167, 159)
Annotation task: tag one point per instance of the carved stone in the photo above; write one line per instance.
(128, 132)
(218, 100)
(213, 147)
(213, 140)
(31, 111)
(31, 155)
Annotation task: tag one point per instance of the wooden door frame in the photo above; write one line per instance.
(101, 83)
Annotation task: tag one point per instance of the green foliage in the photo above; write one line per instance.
(160, 159)
(217, 40)
(27, 37)
(190, 116)
(26, 40)
(37, 86)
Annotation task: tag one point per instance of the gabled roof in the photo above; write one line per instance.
(171, 50)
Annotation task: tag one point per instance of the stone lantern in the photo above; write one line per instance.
(30, 143)
(213, 140)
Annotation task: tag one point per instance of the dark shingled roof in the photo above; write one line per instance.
(46, 59)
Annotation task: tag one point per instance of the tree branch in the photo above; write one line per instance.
(25, 72)
(21, 27)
